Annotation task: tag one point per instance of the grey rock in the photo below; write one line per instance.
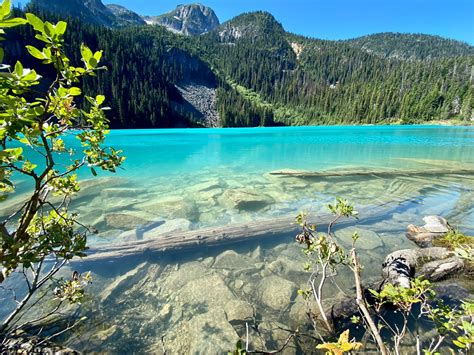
(229, 259)
(367, 239)
(127, 220)
(440, 269)
(244, 200)
(238, 310)
(277, 292)
(194, 19)
(210, 333)
(169, 227)
(435, 227)
(122, 282)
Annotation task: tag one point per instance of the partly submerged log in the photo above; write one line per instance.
(389, 173)
(220, 236)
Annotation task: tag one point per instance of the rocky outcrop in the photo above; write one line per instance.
(194, 20)
(201, 99)
(435, 227)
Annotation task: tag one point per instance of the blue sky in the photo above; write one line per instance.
(341, 19)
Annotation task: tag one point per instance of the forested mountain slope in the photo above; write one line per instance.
(263, 75)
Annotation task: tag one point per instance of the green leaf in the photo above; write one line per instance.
(36, 22)
(13, 22)
(98, 56)
(86, 53)
(100, 99)
(35, 52)
(61, 27)
(5, 8)
(19, 68)
(74, 91)
(459, 344)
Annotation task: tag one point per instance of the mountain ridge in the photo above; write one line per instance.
(249, 71)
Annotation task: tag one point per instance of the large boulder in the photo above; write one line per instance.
(435, 227)
(229, 259)
(205, 186)
(277, 292)
(169, 227)
(126, 220)
(245, 200)
(172, 207)
(211, 333)
(238, 311)
(121, 283)
(368, 239)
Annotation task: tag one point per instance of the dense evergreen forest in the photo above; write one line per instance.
(263, 75)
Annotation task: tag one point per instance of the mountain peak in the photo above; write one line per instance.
(192, 19)
(250, 25)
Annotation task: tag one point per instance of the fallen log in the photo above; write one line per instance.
(221, 236)
(367, 173)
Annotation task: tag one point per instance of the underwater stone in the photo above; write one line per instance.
(244, 200)
(277, 292)
(125, 220)
(122, 192)
(122, 282)
(210, 333)
(170, 226)
(232, 260)
(165, 312)
(205, 186)
(238, 284)
(208, 261)
(238, 310)
(367, 238)
(106, 334)
(172, 207)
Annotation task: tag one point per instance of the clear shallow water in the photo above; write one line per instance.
(199, 301)
(208, 177)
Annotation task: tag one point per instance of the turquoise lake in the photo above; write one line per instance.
(195, 178)
(187, 179)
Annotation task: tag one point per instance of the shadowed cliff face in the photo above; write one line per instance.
(191, 20)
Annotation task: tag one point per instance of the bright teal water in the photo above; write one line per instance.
(184, 151)
(198, 178)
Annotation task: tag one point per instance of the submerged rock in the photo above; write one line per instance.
(121, 283)
(211, 333)
(169, 227)
(232, 260)
(205, 186)
(121, 192)
(277, 292)
(238, 311)
(172, 207)
(245, 200)
(127, 220)
(367, 239)
(435, 227)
